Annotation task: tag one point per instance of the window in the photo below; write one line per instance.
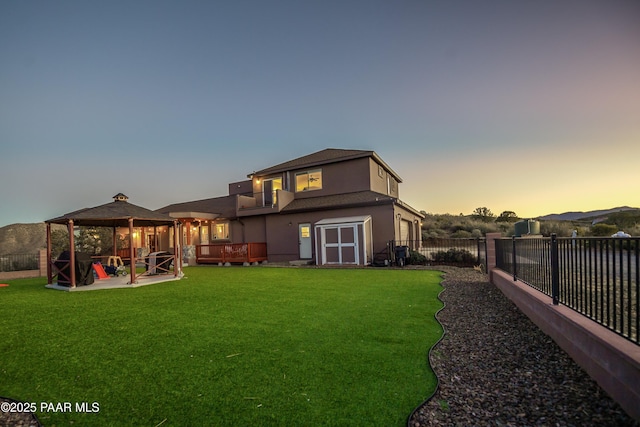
(220, 231)
(392, 186)
(269, 187)
(310, 180)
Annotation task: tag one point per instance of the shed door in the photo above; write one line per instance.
(340, 245)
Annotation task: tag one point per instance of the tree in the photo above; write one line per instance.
(59, 242)
(94, 240)
(483, 214)
(507, 216)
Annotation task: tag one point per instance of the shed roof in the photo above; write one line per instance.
(344, 220)
(114, 214)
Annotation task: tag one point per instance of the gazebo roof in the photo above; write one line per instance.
(115, 214)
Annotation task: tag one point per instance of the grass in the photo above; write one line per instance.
(226, 346)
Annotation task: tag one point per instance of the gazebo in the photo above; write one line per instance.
(119, 213)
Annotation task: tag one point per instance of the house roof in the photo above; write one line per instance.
(360, 198)
(329, 155)
(223, 207)
(114, 214)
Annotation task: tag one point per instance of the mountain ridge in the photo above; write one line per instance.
(578, 215)
(23, 238)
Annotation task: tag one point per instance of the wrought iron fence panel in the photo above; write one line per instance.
(19, 262)
(597, 277)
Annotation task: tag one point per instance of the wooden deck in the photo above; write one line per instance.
(231, 253)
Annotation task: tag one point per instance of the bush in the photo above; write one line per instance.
(605, 230)
(454, 255)
(461, 234)
(560, 228)
(416, 258)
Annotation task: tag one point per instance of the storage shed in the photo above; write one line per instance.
(344, 241)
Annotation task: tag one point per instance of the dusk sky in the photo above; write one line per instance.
(527, 106)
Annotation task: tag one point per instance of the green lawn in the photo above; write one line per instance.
(226, 346)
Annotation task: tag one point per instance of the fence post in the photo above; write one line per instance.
(513, 258)
(555, 270)
(42, 262)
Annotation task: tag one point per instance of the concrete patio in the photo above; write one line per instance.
(119, 282)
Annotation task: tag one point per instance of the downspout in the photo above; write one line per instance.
(242, 224)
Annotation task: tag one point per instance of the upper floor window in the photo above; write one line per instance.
(392, 186)
(270, 189)
(309, 180)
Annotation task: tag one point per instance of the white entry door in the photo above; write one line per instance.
(304, 239)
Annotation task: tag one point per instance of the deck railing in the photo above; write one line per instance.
(596, 276)
(231, 253)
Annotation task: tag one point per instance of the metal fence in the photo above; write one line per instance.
(597, 277)
(462, 252)
(19, 262)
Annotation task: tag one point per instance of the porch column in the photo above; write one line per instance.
(72, 255)
(187, 225)
(177, 266)
(132, 253)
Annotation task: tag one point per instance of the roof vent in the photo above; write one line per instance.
(120, 198)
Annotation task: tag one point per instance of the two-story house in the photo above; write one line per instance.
(334, 206)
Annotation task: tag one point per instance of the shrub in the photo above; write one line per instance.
(416, 258)
(454, 255)
(476, 233)
(560, 228)
(603, 230)
(461, 234)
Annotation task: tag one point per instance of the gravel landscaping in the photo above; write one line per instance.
(496, 368)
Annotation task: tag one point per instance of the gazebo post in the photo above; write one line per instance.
(49, 273)
(72, 256)
(132, 253)
(115, 242)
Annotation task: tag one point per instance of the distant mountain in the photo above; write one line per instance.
(575, 216)
(23, 238)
